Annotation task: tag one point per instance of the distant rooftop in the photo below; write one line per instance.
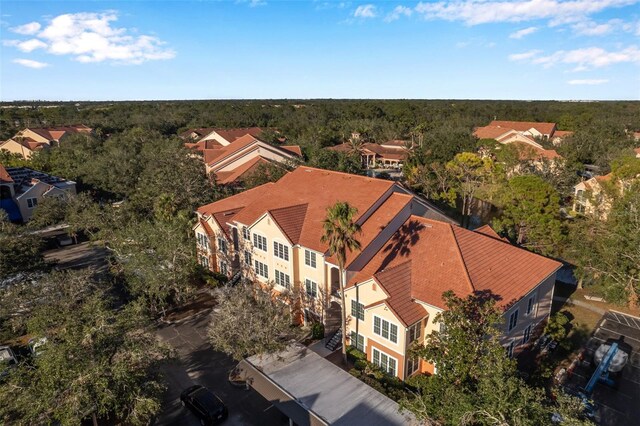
(24, 178)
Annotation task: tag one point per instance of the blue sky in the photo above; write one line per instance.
(464, 49)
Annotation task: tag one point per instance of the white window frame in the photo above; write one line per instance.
(310, 258)
(246, 234)
(532, 305)
(381, 334)
(526, 336)
(358, 309)
(32, 203)
(314, 285)
(513, 323)
(256, 237)
(417, 334)
(262, 268)
(248, 258)
(204, 261)
(224, 268)
(282, 279)
(413, 365)
(358, 335)
(384, 368)
(280, 250)
(223, 245)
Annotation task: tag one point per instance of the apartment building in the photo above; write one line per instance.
(21, 189)
(31, 139)
(410, 254)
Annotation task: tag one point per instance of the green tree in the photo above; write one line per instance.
(340, 233)
(20, 251)
(266, 322)
(476, 383)
(97, 361)
(530, 209)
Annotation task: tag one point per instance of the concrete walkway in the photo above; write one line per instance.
(580, 303)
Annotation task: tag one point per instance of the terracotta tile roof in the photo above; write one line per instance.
(529, 152)
(225, 217)
(290, 220)
(389, 153)
(523, 126)
(55, 133)
(397, 282)
(201, 131)
(562, 133)
(235, 175)
(490, 232)
(211, 154)
(293, 149)
(379, 220)
(490, 132)
(396, 142)
(306, 185)
(232, 134)
(605, 178)
(447, 257)
(4, 175)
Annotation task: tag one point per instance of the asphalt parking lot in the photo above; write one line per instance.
(198, 363)
(619, 405)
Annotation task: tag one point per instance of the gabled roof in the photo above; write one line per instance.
(201, 131)
(562, 133)
(232, 134)
(397, 282)
(490, 132)
(294, 149)
(240, 172)
(55, 133)
(290, 219)
(221, 154)
(4, 175)
(443, 257)
(523, 126)
(305, 185)
(490, 232)
(388, 152)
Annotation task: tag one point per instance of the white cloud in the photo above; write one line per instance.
(524, 56)
(398, 12)
(90, 37)
(590, 28)
(589, 82)
(26, 46)
(474, 12)
(523, 32)
(365, 11)
(590, 57)
(30, 63)
(27, 29)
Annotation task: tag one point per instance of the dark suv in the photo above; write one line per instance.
(204, 404)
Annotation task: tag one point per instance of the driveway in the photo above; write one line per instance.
(198, 363)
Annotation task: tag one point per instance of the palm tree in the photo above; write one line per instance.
(339, 233)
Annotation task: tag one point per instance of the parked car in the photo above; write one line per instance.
(204, 404)
(8, 360)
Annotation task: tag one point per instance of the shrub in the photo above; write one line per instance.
(556, 328)
(360, 364)
(355, 354)
(317, 330)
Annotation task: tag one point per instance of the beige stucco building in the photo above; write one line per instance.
(410, 254)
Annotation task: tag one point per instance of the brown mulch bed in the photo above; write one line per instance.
(203, 301)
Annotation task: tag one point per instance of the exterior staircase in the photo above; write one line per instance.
(335, 342)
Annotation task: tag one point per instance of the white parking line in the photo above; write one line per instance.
(626, 315)
(615, 332)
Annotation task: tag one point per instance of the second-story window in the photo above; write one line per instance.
(310, 258)
(384, 328)
(247, 257)
(222, 245)
(531, 305)
(246, 234)
(415, 331)
(513, 320)
(357, 310)
(32, 202)
(202, 240)
(283, 280)
(311, 287)
(260, 242)
(280, 250)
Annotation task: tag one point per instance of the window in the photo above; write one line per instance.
(32, 202)
(311, 287)
(262, 269)
(204, 261)
(513, 320)
(247, 257)
(531, 305)
(384, 328)
(260, 242)
(357, 341)
(415, 331)
(510, 348)
(310, 258)
(527, 334)
(280, 250)
(222, 245)
(283, 280)
(412, 365)
(224, 270)
(357, 310)
(385, 362)
(246, 234)
(202, 239)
